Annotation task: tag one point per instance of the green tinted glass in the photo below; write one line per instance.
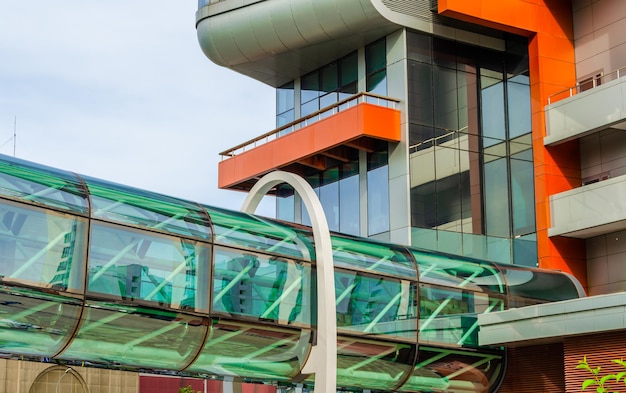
(454, 371)
(34, 323)
(450, 315)
(41, 248)
(132, 265)
(256, 233)
(253, 351)
(375, 305)
(531, 286)
(370, 256)
(136, 337)
(263, 287)
(372, 365)
(462, 273)
(40, 184)
(117, 203)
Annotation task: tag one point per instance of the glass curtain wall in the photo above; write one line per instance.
(338, 186)
(472, 190)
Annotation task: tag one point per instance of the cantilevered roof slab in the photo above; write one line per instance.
(275, 41)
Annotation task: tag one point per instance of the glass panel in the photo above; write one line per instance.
(117, 203)
(538, 286)
(450, 242)
(419, 47)
(285, 98)
(262, 287)
(42, 248)
(34, 323)
(499, 249)
(256, 233)
(458, 272)
(309, 107)
(140, 266)
(371, 256)
(454, 371)
(377, 83)
(253, 351)
(285, 203)
(330, 77)
(349, 70)
(329, 197)
(496, 203)
(445, 97)
(309, 87)
(492, 104)
(375, 57)
(525, 251)
(349, 205)
(375, 305)
(523, 197)
(378, 200)
(372, 365)
(450, 315)
(518, 106)
(285, 118)
(40, 184)
(467, 102)
(328, 100)
(420, 99)
(137, 337)
(444, 52)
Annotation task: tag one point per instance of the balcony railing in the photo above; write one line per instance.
(587, 85)
(288, 128)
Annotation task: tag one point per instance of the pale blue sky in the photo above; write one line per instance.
(120, 90)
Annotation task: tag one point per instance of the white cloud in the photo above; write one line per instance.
(120, 90)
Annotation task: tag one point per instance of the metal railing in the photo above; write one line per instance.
(587, 85)
(314, 117)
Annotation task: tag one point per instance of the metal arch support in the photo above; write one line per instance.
(323, 358)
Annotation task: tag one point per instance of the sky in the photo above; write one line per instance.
(120, 90)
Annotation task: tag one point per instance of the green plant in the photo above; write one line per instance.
(602, 381)
(188, 389)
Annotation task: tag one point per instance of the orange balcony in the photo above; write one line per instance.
(318, 141)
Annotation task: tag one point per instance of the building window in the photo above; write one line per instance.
(377, 193)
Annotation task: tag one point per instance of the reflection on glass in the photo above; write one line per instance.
(329, 197)
(518, 105)
(48, 186)
(375, 306)
(497, 198)
(262, 287)
(349, 205)
(131, 265)
(539, 286)
(34, 323)
(492, 104)
(253, 351)
(449, 370)
(449, 315)
(378, 200)
(375, 365)
(137, 337)
(41, 248)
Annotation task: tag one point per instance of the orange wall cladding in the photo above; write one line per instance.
(362, 120)
(548, 26)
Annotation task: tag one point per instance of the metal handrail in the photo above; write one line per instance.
(295, 125)
(596, 81)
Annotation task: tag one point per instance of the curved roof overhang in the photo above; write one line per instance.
(276, 41)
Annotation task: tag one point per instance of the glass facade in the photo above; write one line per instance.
(472, 185)
(145, 282)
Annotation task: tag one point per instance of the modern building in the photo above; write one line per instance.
(490, 129)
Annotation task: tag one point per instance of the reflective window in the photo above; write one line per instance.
(377, 193)
(255, 351)
(522, 196)
(420, 101)
(140, 266)
(137, 337)
(40, 184)
(285, 203)
(376, 67)
(371, 256)
(497, 198)
(368, 364)
(329, 197)
(34, 323)
(256, 233)
(42, 248)
(262, 287)
(518, 106)
(375, 305)
(492, 103)
(445, 98)
(349, 205)
(117, 203)
(449, 315)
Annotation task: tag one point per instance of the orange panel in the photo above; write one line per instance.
(548, 25)
(363, 120)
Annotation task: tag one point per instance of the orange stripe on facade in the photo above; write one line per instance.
(548, 26)
(363, 120)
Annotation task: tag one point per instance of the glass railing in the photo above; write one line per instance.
(386, 102)
(586, 85)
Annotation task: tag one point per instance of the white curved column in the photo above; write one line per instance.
(323, 358)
